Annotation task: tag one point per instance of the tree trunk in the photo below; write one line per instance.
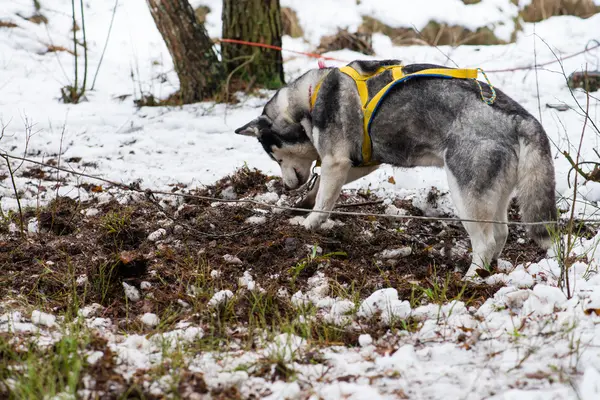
(196, 63)
(254, 21)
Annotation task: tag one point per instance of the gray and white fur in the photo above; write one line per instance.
(487, 151)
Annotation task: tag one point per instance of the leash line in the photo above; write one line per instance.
(273, 47)
(134, 187)
(314, 55)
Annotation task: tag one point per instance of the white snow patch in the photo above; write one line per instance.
(150, 319)
(256, 220)
(42, 318)
(386, 302)
(131, 292)
(220, 297)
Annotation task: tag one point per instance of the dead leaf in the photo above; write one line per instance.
(392, 180)
(537, 375)
(97, 189)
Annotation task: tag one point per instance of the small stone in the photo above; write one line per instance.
(178, 229)
(145, 285)
(290, 244)
(396, 253)
(229, 259)
(157, 234)
(215, 274)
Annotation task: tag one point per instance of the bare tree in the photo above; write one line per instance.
(255, 21)
(198, 68)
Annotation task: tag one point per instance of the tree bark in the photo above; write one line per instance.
(254, 21)
(196, 63)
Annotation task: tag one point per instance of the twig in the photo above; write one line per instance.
(537, 82)
(112, 19)
(17, 197)
(433, 45)
(587, 115)
(75, 84)
(85, 50)
(571, 219)
(62, 135)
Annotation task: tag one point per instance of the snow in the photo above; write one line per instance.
(220, 297)
(131, 292)
(246, 281)
(42, 318)
(386, 302)
(365, 340)
(528, 341)
(150, 319)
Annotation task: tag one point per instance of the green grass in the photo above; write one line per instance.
(35, 372)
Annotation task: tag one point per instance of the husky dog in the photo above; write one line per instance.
(486, 150)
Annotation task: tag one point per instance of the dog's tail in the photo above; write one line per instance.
(536, 186)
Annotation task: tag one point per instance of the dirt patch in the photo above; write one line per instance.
(540, 10)
(7, 24)
(60, 217)
(434, 33)
(343, 39)
(186, 251)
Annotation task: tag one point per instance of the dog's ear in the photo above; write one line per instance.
(255, 127)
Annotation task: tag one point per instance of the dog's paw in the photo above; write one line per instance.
(313, 221)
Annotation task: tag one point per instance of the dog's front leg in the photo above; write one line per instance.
(334, 172)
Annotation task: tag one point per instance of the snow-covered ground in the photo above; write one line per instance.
(529, 341)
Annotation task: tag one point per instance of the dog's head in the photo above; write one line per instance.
(286, 142)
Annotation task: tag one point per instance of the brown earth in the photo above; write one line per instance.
(113, 247)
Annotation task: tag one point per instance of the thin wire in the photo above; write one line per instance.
(135, 188)
(313, 55)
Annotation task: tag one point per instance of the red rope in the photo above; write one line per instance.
(270, 46)
(314, 55)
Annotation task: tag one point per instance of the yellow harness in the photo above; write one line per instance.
(370, 107)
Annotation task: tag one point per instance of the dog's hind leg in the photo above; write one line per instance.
(334, 173)
(482, 235)
(355, 173)
(501, 230)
